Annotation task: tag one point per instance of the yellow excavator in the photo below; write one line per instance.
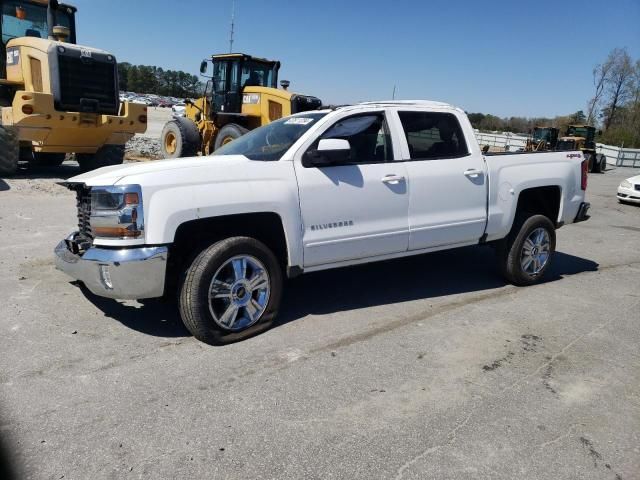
(242, 94)
(58, 97)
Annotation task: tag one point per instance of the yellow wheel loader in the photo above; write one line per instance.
(241, 95)
(58, 97)
(582, 137)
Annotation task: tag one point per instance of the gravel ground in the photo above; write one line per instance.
(429, 367)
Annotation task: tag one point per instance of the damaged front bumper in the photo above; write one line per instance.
(123, 273)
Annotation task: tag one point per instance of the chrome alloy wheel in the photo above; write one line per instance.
(239, 293)
(535, 252)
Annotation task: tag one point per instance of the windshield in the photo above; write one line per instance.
(257, 74)
(577, 132)
(22, 19)
(270, 142)
(540, 134)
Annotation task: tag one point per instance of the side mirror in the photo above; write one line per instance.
(330, 151)
(203, 67)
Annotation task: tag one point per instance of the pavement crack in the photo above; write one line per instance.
(451, 439)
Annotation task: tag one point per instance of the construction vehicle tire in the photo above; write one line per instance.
(180, 138)
(107, 155)
(228, 133)
(9, 151)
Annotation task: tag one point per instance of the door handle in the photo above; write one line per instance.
(472, 172)
(392, 179)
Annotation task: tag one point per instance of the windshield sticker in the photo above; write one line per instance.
(298, 121)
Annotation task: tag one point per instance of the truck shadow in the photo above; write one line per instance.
(471, 269)
(152, 317)
(450, 272)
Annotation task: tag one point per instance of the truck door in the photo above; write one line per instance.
(447, 182)
(357, 209)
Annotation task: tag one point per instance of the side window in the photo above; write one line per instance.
(433, 135)
(368, 136)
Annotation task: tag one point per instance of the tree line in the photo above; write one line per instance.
(145, 79)
(614, 108)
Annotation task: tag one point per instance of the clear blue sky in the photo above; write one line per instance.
(530, 58)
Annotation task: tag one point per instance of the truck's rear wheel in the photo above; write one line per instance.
(107, 155)
(525, 255)
(9, 151)
(229, 133)
(180, 138)
(48, 159)
(231, 291)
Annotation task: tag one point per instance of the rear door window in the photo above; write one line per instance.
(432, 135)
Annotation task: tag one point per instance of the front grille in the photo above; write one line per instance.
(88, 84)
(83, 197)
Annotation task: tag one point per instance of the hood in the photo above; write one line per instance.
(634, 180)
(118, 173)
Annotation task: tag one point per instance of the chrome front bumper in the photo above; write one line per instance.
(126, 273)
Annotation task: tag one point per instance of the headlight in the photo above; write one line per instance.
(116, 212)
(626, 184)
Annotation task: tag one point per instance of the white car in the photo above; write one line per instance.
(178, 110)
(629, 190)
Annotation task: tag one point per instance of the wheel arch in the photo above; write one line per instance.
(545, 200)
(193, 236)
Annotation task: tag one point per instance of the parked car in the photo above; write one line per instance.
(314, 191)
(629, 190)
(178, 109)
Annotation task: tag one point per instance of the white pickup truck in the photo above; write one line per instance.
(314, 191)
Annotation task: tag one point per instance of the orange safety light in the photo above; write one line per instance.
(21, 13)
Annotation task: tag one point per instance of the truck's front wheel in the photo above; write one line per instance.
(231, 291)
(525, 255)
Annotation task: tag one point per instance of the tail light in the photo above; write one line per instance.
(585, 173)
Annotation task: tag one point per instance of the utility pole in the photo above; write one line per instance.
(393, 97)
(233, 24)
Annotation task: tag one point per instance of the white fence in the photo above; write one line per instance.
(509, 141)
(620, 157)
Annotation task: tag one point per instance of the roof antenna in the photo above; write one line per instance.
(233, 22)
(393, 97)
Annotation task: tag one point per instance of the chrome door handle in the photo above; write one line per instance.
(393, 179)
(472, 172)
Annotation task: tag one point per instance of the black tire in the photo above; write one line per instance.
(593, 163)
(48, 159)
(9, 151)
(107, 155)
(228, 133)
(194, 302)
(603, 164)
(511, 249)
(180, 138)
